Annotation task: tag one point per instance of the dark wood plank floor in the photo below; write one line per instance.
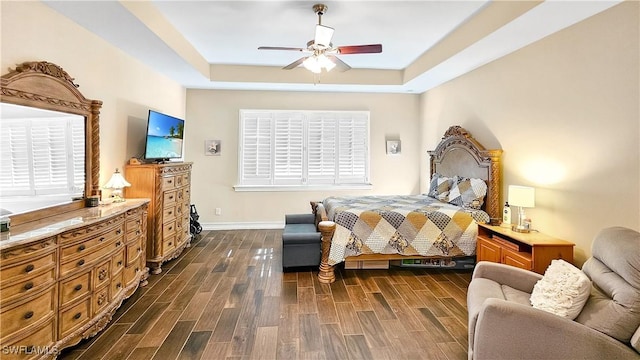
(226, 297)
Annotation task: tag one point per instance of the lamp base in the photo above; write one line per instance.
(520, 229)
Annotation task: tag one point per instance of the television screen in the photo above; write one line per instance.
(164, 137)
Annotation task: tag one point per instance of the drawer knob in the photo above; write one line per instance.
(118, 243)
(170, 243)
(171, 197)
(170, 212)
(101, 239)
(138, 222)
(28, 315)
(77, 316)
(81, 247)
(119, 231)
(138, 232)
(139, 249)
(28, 285)
(29, 268)
(78, 287)
(118, 285)
(120, 263)
(170, 181)
(81, 262)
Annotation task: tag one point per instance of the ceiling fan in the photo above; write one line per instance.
(321, 50)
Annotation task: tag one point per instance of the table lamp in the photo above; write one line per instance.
(117, 183)
(522, 197)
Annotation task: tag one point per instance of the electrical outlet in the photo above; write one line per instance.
(218, 211)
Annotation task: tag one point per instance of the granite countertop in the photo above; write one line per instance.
(54, 225)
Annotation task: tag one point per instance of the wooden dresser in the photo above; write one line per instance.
(530, 251)
(169, 188)
(63, 278)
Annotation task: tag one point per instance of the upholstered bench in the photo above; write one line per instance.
(301, 241)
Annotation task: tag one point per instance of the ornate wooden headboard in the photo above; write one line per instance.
(460, 154)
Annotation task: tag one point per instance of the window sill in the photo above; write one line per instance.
(243, 188)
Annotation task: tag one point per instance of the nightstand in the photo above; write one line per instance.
(530, 251)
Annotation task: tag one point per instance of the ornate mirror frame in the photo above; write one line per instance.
(44, 85)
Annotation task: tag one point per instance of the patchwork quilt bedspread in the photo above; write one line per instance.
(407, 225)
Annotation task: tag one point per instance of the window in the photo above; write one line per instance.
(42, 156)
(286, 148)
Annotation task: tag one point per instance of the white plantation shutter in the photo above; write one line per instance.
(306, 148)
(77, 151)
(14, 172)
(322, 154)
(352, 148)
(288, 148)
(256, 148)
(42, 156)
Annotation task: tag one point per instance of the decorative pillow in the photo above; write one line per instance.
(467, 192)
(563, 290)
(439, 186)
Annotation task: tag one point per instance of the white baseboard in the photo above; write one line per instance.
(242, 225)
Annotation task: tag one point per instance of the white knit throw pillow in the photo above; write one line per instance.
(563, 290)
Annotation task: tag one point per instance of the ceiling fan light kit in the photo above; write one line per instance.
(322, 52)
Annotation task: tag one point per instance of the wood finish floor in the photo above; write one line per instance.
(226, 297)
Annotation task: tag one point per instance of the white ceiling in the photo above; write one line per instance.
(213, 44)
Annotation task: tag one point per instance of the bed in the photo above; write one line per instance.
(439, 225)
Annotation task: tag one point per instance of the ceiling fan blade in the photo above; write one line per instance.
(360, 49)
(279, 48)
(323, 35)
(340, 65)
(295, 63)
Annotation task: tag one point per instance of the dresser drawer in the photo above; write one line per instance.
(117, 263)
(37, 343)
(168, 228)
(74, 317)
(168, 182)
(75, 288)
(26, 269)
(26, 255)
(169, 197)
(133, 252)
(168, 244)
(27, 313)
(28, 285)
(89, 232)
(117, 284)
(81, 249)
(101, 274)
(169, 212)
(131, 274)
(101, 299)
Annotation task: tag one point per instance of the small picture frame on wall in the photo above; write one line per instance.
(212, 147)
(393, 147)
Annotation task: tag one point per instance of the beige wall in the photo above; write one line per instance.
(565, 110)
(213, 115)
(31, 31)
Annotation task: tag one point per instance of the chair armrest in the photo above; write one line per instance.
(514, 277)
(299, 219)
(507, 330)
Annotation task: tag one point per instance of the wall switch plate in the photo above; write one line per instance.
(218, 211)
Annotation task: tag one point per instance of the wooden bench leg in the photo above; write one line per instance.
(326, 274)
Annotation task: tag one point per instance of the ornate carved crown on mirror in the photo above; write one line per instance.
(44, 85)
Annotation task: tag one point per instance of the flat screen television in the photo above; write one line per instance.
(165, 134)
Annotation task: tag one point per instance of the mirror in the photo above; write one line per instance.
(45, 96)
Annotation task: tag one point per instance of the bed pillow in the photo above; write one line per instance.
(563, 290)
(439, 186)
(467, 192)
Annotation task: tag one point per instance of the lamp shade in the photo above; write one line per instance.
(117, 181)
(522, 196)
